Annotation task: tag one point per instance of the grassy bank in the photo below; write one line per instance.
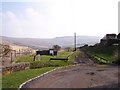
(38, 67)
(15, 79)
(102, 54)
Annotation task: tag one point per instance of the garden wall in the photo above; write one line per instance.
(15, 67)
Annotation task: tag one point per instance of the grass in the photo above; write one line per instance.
(64, 54)
(45, 61)
(24, 59)
(16, 78)
(42, 57)
(106, 52)
(0, 81)
(106, 56)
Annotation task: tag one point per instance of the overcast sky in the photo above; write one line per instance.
(54, 18)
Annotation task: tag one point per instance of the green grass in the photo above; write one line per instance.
(42, 57)
(99, 60)
(106, 56)
(106, 52)
(24, 59)
(15, 79)
(64, 54)
(45, 61)
(0, 81)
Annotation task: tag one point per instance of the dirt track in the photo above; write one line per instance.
(83, 75)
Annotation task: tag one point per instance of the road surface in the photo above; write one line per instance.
(86, 74)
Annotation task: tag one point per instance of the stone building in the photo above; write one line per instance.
(110, 39)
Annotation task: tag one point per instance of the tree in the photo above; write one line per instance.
(56, 47)
(68, 49)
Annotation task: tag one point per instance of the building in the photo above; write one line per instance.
(47, 52)
(110, 39)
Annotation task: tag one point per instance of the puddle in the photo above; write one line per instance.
(91, 73)
(100, 70)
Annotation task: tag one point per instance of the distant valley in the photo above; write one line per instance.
(37, 43)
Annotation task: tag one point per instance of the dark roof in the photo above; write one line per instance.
(111, 35)
(118, 36)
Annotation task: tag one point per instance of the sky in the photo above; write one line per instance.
(56, 18)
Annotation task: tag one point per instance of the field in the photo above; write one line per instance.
(37, 67)
(45, 60)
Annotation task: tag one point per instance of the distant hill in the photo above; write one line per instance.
(48, 43)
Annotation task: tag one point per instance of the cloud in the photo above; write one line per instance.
(33, 14)
(51, 18)
(10, 14)
(1, 14)
(11, 24)
(29, 24)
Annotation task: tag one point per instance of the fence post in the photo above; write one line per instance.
(15, 53)
(11, 57)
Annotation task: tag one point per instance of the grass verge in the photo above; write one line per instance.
(16, 78)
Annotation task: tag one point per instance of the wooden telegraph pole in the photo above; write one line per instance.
(74, 41)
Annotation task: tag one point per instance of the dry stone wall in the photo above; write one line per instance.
(15, 67)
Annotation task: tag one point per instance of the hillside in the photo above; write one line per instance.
(48, 43)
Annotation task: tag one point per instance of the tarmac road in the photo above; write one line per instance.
(83, 75)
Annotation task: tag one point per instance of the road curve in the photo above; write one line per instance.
(83, 75)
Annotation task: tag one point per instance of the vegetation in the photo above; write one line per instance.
(102, 54)
(68, 49)
(56, 47)
(117, 55)
(100, 60)
(45, 61)
(37, 67)
(16, 78)
(24, 59)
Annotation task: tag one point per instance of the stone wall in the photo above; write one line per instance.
(15, 67)
(9, 53)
